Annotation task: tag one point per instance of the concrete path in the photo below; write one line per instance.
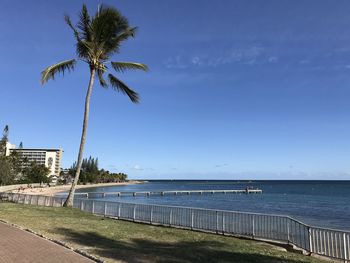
(19, 246)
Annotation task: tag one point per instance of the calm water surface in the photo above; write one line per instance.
(319, 203)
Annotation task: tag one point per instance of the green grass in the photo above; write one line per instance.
(121, 241)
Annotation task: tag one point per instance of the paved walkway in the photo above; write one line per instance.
(19, 246)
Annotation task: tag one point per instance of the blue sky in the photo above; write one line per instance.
(236, 89)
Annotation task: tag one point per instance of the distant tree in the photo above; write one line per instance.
(17, 163)
(36, 173)
(89, 170)
(90, 173)
(9, 165)
(7, 174)
(104, 176)
(4, 140)
(121, 177)
(97, 39)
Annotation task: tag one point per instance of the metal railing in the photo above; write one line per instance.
(322, 241)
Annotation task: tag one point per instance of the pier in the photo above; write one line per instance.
(173, 192)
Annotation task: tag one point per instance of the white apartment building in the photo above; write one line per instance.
(51, 158)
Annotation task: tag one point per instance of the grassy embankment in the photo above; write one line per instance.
(116, 240)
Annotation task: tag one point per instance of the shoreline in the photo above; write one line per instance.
(53, 190)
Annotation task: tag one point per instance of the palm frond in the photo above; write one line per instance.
(100, 35)
(115, 42)
(102, 81)
(106, 26)
(84, 23)
(82, 46)
(83, 50)
(129, 32)
(69, 23)
(61, 67)
(120, 86)
(122, 66)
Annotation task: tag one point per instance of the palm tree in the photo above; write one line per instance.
(97, 39)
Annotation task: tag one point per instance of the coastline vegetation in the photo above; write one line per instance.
(90, 173)
(122, 241)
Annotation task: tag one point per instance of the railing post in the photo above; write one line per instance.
(310, 240)
(217, 221)
(345, 249)
(170, 216)
(93, 207)
(105, 210)
(288, 230)
(119, 210)
(223, 223)
(192, 219)
(134, 216)
(82, 205)
(253, 225)
(151, 219)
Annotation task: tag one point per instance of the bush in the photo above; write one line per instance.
(35, 173)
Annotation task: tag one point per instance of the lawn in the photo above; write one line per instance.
(122, 241)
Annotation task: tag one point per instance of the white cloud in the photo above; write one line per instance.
(176, 62)
(273, 59)
(196, 61)
(304, 61)
(246, 56)
(137, 167)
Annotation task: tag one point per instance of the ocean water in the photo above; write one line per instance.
(318, 203)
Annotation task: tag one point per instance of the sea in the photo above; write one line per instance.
(318, 203)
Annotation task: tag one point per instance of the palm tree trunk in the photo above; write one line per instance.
(69, 200)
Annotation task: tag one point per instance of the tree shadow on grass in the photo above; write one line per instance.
(142, 250)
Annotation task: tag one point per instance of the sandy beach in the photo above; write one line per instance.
(53, 190)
